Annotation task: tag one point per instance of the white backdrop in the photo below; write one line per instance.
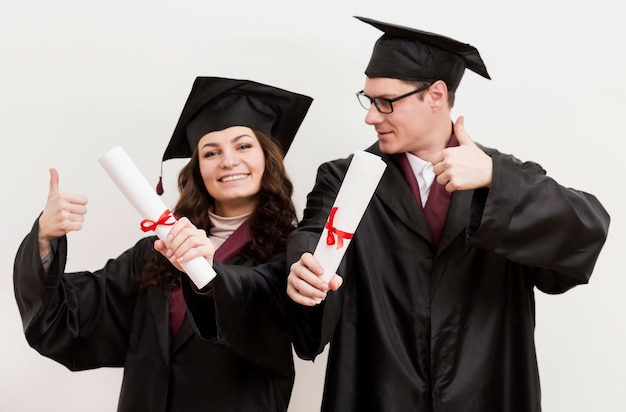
(78, 78)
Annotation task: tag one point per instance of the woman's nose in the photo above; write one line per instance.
(230, 160)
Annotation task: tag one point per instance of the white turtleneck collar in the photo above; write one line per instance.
(223, 227)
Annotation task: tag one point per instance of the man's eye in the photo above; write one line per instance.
(383, 103)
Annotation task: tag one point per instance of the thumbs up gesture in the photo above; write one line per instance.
(463, 167)
(63, 213)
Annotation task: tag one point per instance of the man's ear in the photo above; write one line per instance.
(438, 92)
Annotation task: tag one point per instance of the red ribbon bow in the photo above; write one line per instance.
(148, 225)
(333, 231)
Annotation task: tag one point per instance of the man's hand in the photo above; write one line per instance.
(463, 167)
(305, 284)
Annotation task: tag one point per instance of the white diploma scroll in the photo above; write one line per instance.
(355, 193)
(144, 199)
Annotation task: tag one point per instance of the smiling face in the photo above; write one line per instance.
(419, 124)
(232, 163)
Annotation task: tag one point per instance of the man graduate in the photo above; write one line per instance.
(432, 307)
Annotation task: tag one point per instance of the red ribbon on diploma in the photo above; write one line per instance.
(333, 231)
(148, 225)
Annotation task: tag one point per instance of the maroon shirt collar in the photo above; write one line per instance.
(235, 243)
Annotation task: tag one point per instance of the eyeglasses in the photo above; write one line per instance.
(382, 104)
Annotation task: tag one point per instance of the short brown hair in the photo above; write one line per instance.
(420, 84)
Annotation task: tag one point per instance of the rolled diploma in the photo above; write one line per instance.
(355, 193)
(144, 199)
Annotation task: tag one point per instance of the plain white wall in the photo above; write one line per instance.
(78, 78)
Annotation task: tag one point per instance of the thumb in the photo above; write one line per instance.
(460, 132)
(336, 282)
(54, 183)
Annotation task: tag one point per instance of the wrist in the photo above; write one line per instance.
(45, 246)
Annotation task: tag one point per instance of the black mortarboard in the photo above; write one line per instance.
(216, 103)
(415, 55)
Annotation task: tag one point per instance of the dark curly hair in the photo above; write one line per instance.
(273, 218)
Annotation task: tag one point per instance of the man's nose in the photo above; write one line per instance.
(373, 116)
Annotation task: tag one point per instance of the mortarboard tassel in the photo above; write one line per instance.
(159, 186)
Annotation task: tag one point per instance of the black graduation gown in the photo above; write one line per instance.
(414, 328)
(103, 319)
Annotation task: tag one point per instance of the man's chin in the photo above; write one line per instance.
(387, 148)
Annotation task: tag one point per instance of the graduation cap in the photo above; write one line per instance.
(409, 54)
(216, 103)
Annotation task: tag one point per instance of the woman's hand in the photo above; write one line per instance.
(185, 242)
(64, 212)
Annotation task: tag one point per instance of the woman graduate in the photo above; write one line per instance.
(131, 313)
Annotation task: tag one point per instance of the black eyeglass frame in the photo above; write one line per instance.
(375, 100)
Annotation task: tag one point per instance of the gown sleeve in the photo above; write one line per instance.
(314, 326)
(530, 219)
(80, 319)
(247, 310)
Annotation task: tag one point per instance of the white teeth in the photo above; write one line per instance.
(233, 177)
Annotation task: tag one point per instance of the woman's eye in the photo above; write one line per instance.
(244, 146)
(210, 154)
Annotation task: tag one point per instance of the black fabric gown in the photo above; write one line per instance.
(103, 319)
(447, 329)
